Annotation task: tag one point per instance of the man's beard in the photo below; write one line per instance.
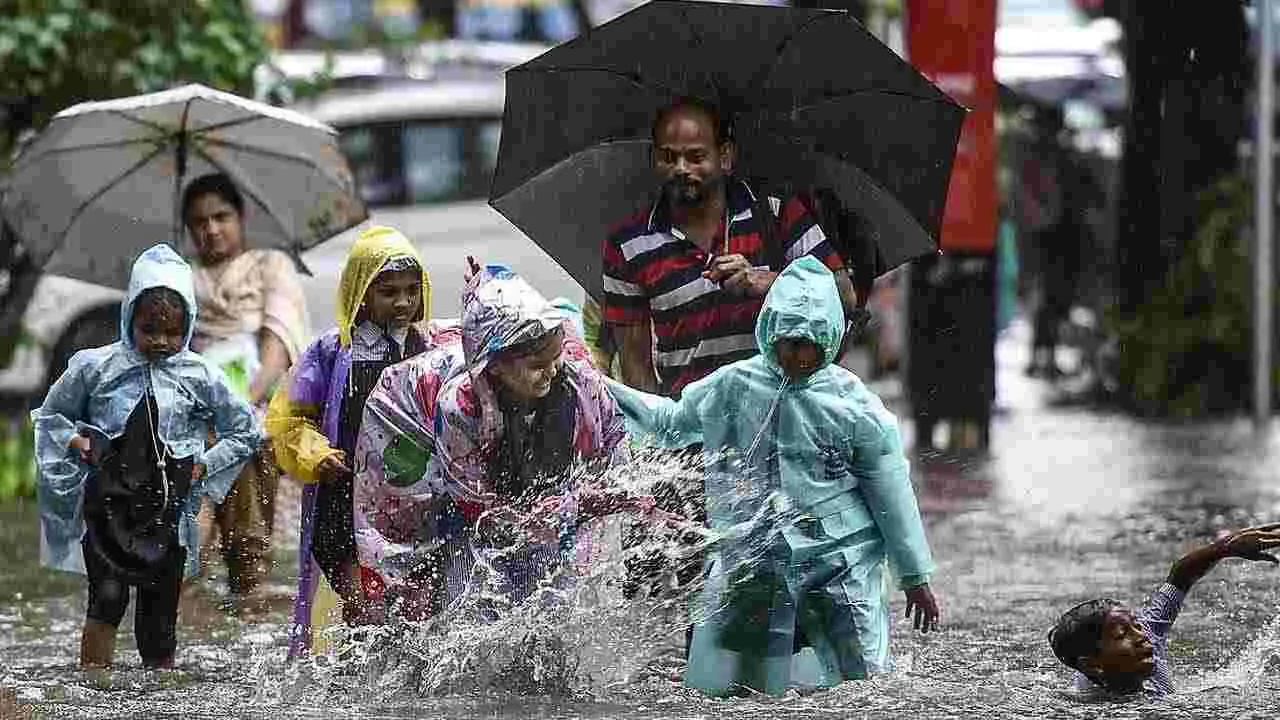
(690, 195)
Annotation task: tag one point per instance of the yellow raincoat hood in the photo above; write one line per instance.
(371, 251)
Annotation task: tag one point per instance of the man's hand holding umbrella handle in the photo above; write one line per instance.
(737, 275)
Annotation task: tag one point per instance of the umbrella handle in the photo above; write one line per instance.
(180, 172)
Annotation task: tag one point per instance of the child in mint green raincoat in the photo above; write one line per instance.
(808, 495)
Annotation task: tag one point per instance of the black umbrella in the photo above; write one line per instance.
(816, 101)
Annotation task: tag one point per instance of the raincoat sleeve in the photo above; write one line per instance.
(293, 418)
(659, 421)
(394, 500)
(884, 480)
(460, 456)
(611, 444)
(61, 474)
(238, 433)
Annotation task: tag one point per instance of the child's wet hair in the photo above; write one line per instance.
(162, 300)
(1078, 632)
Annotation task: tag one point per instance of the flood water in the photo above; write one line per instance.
(1069, 505)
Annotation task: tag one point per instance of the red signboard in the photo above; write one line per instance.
(953, 42)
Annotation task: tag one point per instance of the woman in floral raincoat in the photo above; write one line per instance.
(457, 441)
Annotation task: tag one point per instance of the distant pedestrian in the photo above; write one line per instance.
(1056, 192)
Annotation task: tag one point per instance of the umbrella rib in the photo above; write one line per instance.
(241, 121)
(74, 148)
(284, 231)
(145, 123)
(277, 154)
(782, 47)
(565, 160)
(866, 91)
(75, 216)
(700, 43)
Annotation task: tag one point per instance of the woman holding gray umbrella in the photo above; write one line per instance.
(252, 323)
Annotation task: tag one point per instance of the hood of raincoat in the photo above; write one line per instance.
(804, 304)
(372, 250)
(159, 266)
(500, 310)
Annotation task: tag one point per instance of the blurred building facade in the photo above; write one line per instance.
(293, 24)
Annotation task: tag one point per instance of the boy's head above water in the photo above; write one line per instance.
(1103, 640)
(798, 357)
(159, 325)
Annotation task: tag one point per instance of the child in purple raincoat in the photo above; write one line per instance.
(315, 418)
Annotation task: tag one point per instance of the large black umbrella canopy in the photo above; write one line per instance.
(815, 100)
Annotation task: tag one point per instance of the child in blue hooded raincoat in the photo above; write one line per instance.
(808, 494)
(123, 464)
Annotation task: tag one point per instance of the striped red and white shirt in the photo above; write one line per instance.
(653, 271)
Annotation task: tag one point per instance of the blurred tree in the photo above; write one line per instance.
(1185, 350)
(1189, 74)
(56, 53)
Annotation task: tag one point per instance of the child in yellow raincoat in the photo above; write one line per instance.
(383, 294)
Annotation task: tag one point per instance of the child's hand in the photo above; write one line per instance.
(921, 600)
(198, 471)
(1253, 543)
(84, 445)
(473, 269)
(333, 468)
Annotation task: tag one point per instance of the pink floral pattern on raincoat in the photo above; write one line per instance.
(432, 425)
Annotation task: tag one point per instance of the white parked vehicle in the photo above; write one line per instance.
(423, 154)
(422, 149)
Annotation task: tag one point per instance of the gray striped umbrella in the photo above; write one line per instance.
(104, 180)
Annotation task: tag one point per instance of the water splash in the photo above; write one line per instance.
(1260, 658)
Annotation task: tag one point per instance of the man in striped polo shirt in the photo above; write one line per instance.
(693, 270)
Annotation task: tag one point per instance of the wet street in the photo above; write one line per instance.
(1070, 505)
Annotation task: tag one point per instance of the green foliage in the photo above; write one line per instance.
(285, 90)
(61, 52)
(1186, 352)
(17, 461)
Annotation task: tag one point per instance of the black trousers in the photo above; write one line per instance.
(334, 543)
(155, 622)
